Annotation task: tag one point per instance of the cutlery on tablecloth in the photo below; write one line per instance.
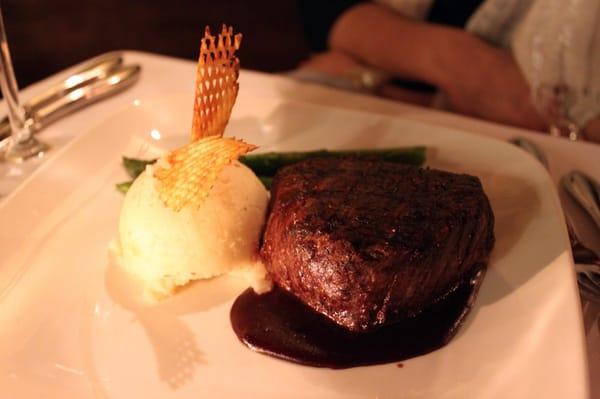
(587, 262)
(586, 191)
(95, 80)
(95, 68)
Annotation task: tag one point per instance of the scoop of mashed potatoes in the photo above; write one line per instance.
(167, 249)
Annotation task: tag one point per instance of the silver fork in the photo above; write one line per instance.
(587, 262)
(587, 266)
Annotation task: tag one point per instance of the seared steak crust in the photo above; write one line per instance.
(366, 242)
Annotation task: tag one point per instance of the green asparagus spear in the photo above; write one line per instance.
(266, 181)
(135, 167)
(267, 164)
(124, 186)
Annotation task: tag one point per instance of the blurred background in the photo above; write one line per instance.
(48, 36)
(524, 63)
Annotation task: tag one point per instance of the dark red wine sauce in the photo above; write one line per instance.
(278, 324)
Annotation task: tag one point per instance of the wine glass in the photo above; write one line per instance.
(558, 52)
(554, 102)
(22, 145)
(555, 98)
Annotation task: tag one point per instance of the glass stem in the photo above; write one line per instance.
(16, 113)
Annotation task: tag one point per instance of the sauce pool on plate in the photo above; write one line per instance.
(278, 324)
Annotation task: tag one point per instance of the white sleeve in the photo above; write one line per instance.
(558, 44)
(555, 42)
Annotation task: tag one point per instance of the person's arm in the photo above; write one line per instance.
(318, 17)
(379, 37)
(592, 130)
(477, 78)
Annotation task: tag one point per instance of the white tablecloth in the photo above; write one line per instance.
(163, 75)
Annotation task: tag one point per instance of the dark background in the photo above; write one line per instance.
(46, 36)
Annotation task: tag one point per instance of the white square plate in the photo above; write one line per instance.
(70, 327)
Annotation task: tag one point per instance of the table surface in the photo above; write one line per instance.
(164, 75)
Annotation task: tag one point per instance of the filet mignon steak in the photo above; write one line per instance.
(367, 243)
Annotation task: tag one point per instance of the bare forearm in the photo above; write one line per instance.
(478, 79)
(592, 130)
(404, 47)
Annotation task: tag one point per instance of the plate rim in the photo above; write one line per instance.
(32, 179)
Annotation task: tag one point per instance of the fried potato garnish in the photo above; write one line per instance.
(216, 83)
(187, 174)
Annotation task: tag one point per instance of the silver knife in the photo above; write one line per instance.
(574, 184)
(56, 106)
(532, 149)
(95, 68)
(585, 191)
